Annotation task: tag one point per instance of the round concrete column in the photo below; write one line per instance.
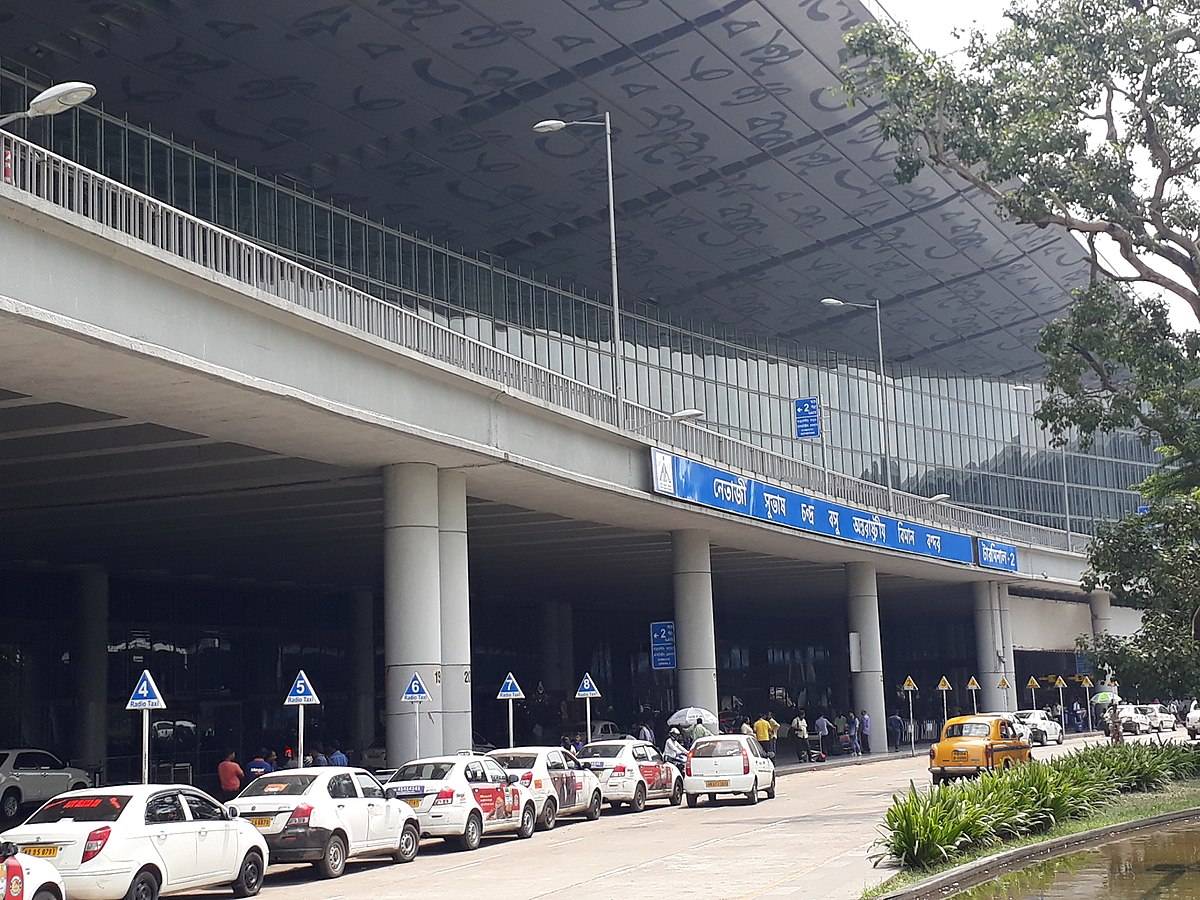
(989, 647)
(412, 634)
(362, 668)
(695, 633)
(1101, 606)
(456, 611)
(862, 606)
(91, 736)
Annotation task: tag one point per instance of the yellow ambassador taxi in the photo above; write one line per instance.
(974, 744)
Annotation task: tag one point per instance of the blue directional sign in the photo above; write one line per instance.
(587, 689)
(662, 645)
(145, 694)
(510, 690)
(302, 693)
(1142, 510)
(416, 691)
(995, 555)
(808, 417)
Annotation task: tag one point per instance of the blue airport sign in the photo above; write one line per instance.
(808, 417)
(698, 483)
(994, 555)
(662, 645)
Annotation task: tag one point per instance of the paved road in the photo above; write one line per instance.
(811, 841)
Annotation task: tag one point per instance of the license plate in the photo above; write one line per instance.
(261, 822)
(960, 754)
(720, 782)
(413, 802)
(44, 852)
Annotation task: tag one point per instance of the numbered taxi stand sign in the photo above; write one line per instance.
(973, 687)
(510, 691)
(588, 691)
(1087, 697)
(300, 696)
(1033, 684)
(146, 697)
(1062, 710)
(417, 693)
(910, 688)
(945, 688)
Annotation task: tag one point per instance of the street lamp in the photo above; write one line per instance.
(883, 406)
(677, 416)
(53, 100)
(938, 498)
(544, 127)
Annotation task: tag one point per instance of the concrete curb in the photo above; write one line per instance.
(966, 876)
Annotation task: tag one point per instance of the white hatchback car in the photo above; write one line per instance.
(1133, 719)
(1161, 718)
(632, 772)
(326, 814)
(1042, 728)
(136, 841)
(34, 776)
(22, 875)
(728, 764)
(560, 785)
(463, 797)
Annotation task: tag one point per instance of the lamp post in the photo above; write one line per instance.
(548, 125)
(53, 100)
(883, 405)
(681, 415)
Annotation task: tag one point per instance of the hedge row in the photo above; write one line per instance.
(926, 828)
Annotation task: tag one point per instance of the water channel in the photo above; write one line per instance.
(1163, 863)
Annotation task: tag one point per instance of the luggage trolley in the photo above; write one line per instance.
(815, 753)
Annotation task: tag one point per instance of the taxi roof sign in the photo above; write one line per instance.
(587, 688)
(973, 685)
(146, 694)
(909, 684)
(1003, 683)
(944, 684)
(302, 693)
(1032, 683)
(1085, 681)
(1058, 682)
(510, 690)
(416, 691)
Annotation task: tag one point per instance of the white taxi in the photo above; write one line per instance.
(463, 797)
(139, 840)
(1043, 728)
(325, 815)
(559, 784)
(26, 876)
(728, 764)
(632, 772)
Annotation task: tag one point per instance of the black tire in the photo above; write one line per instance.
(528, 822)
(638, 803)
(80, 786)
(677, 792)
(753, 795)
(45, 895)
(549, 814)
(771, 789)
(593, 810)
(1061, 737)
(143, 887)
(250, 876)
(333, 861)
(712, 798)
(10, 804)
(472, 835)
(409, 844)
(693, 800)
(936, 777)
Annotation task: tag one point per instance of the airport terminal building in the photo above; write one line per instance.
(308, 361)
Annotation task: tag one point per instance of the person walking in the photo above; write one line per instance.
(336, 756)
(864, 731)
(852, 733)
(800, 733)
(895, 731)
(258, 765)
(762, 730)
(698, 729)
(229, 775)
(824, 727)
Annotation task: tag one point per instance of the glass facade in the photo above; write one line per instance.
(972, 438)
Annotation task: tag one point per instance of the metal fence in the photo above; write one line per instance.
(112, 205)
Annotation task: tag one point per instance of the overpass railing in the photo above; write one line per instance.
(108, 203)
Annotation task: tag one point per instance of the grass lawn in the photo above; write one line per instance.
(1178, 795)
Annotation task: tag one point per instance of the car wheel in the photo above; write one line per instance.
(45, 895)
(80, 786)
(677, 792)
(472, 833)
(1061, 737)
(528, 822)
(410, 842)
(753, 795)
(333, 861)
(936, 777)
(638, 803)
(10, 804)
(771, 789)
(549, 814)
(144, 887)
(250, 876)
(593, 810)
(693, 800)
(1042, 738)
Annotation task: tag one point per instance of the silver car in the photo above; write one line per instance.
(34, 776)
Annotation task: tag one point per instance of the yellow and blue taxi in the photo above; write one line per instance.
(974, 744)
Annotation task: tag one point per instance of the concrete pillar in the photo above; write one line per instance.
(1101, 606)
(362, 668)
(456, 611)
(862, 607)
(989, 647)
(412, 633)
(91, 735)
(566, 648)
(1012, 695)
(551, 668)
(695, 632)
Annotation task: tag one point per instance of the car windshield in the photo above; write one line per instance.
(276, 784)
(515, 760)
(968, 729)
(1022, 716)
(438, 771)
(601, 751)
(1144, 710)
(99, 808)
(717, 748)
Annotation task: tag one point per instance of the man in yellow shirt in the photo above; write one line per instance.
(762, 729)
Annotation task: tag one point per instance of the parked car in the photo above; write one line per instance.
(728, 764)
(1043, 728)
(22, 875)
(602, 730)
(1133, 719)
(34, 776)
(1192, 721)
(560, 785)
(1161, 718)
(327, 814)
(973, 744)
(141, 840)
(464, 797)
(633, 772)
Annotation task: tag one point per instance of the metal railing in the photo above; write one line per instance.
(110, 204)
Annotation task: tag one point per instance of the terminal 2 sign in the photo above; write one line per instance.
(695, 482)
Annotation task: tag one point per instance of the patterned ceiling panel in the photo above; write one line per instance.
(746, 189)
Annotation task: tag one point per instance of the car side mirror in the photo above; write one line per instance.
(7, 849)
(586, 765)
(231, 812)
(390, 793)
(512, 778)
